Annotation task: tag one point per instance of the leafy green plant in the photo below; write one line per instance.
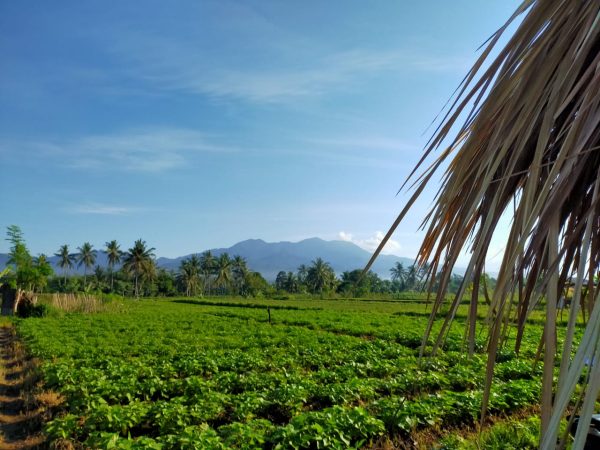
(167, 374)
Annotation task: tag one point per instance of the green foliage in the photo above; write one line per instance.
(508, 435)
(26, 272)
(39, 310)
(256, 285)
(189, 275)
(215, 374)
(86, 257)
(165, 284)
(320, 277)
(354, 284)
(331, 428)
(139, 262)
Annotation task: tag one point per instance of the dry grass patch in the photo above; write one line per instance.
(83, 303)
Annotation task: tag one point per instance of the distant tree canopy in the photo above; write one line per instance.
(134, 273)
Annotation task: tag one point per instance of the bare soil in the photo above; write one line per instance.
(20, 413)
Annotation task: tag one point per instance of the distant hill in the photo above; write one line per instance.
(269, 258)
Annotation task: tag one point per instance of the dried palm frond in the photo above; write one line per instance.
(530, 145)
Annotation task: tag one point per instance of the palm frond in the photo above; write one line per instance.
(530, 147)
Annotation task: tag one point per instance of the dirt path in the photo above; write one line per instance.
(19, 421)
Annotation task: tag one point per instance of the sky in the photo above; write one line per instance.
(198, 124)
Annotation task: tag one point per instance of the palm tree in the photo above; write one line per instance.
(149, 275)
(223, 267)
(302, 273)
(411, 277)
(240, 272)
(114, 255)
(99, 274)
(291, 283)
(189, 274)
(207, 262)
(528, 147)
(65, 261)
(399, 274)
(42, 271)
(320, 276)
(280, 280)
(139, 261)
(87, 257)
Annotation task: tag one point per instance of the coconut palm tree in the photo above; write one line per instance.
(207, 262)
(302, 272)
(114, 255)
(291, 283)
(528, 148)
(189, 274)
(320, 276)
(223, 266)
(149, 276)
(399, 274)
(240, 272)
(139, 261)
(65, 261)
(43, 269)
(87, 257)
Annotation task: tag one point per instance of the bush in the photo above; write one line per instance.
(31, 310)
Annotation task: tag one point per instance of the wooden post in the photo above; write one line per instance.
(269, 312)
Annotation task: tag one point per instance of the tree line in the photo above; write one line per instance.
(320, 278)
(134, 272)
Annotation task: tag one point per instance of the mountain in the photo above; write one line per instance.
(269, 258)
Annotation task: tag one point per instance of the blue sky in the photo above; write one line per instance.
(197, 124)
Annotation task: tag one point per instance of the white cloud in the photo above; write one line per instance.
(392, 247)
(345, 236)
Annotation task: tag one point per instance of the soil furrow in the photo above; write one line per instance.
(19, 425)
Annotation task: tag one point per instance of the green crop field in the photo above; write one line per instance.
(216, 374)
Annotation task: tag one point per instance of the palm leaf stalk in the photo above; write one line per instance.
(529, 146)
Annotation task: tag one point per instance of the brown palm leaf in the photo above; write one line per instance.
(530, 147)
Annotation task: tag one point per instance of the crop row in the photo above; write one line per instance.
(175, 375)
(201, 415)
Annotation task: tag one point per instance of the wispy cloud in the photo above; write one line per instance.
(371, 243)
(102, 209)
(364, 143)
(140, 150)
(375, 151)
(178, 65)
(316, 78)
